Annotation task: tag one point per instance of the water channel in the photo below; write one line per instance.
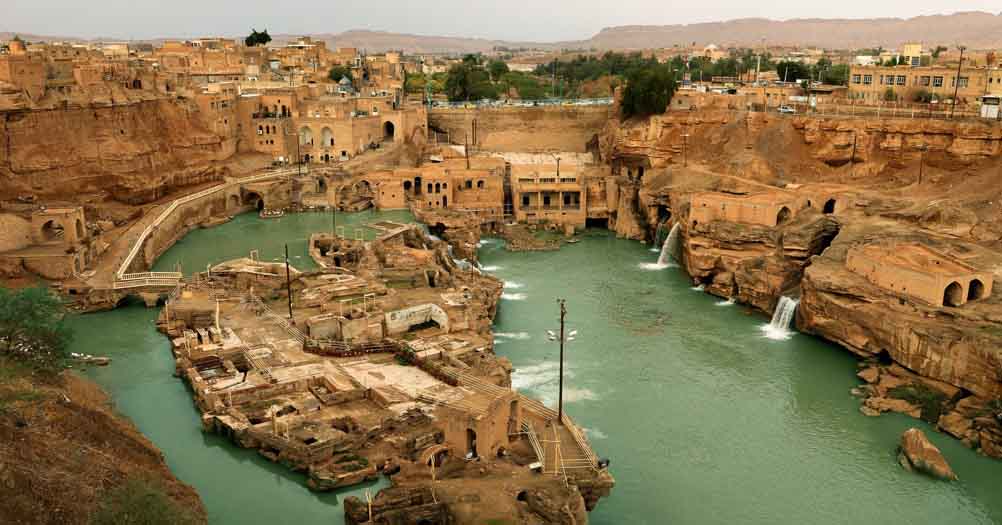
(705, 419)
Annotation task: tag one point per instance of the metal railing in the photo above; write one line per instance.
(122, 270)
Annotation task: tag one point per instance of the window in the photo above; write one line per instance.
(867, 79)
(937, 81)
(469, 184)
(855, 79)
(924, 81)
(525, 200)
(901, 80)
(962, 82)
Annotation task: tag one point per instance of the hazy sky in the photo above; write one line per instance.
(539, 20)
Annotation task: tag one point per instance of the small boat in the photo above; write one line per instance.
(572, 241)
(271, 214)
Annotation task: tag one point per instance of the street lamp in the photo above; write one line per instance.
(562, 338)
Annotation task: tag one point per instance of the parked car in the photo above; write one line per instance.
(787, 109)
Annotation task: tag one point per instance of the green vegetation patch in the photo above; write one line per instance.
(931, 401)
(139, 502)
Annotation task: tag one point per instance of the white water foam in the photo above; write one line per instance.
(699, 288)
(595, 433)
(512, 285)
(492, 268)
(653, 267)
(782, 319)
(513, 296)
(726, 302)
(521, 336)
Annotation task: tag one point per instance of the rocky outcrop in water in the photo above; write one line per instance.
(918, 453)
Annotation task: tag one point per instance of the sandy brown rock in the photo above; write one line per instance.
(917, 452)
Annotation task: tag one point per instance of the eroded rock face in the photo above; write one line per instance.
(918, 453)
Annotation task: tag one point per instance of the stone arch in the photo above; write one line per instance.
(388, 131)
(253, 198)
(327, 137)
(436, 454)
(52, 231)
(975, 290)
(305, 136)
(783, 215)
(829, 207)
(438, 187)
(953, 295)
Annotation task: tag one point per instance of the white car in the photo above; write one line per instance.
(787, 109)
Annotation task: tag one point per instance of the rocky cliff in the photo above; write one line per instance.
(931, 182)
(137, 152)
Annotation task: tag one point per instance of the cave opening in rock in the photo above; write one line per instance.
(953, 295)
(829, 207)
(975, 290)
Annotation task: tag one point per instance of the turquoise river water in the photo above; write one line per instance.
(705, 420)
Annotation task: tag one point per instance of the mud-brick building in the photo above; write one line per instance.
(54, 242)
(920, 272)
(544, 193)
(762, 209)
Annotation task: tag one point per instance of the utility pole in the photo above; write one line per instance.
(288, 282)
(956, 81)
(560, 394)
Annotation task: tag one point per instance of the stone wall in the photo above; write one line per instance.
(537, 129)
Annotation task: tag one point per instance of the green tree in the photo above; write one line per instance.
(256, 38)
(467, 81)
(138, 502)
(648, 91)
(338, 72)
(890, 95)
(790, 71)
(893, 61)
(32, 329)
(924, 96)
(497, 69)
(937, 51)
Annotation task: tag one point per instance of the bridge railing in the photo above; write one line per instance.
(134, 251)
(471, 104)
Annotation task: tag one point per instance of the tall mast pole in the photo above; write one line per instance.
(560, 395)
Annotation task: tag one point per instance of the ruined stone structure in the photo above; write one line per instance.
(920, 272)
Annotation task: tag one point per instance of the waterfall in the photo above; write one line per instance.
(670, 248)
(782, 318)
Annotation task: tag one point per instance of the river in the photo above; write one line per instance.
(705, 419)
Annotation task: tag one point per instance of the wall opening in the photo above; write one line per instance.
(829, 206)
(445, 201)
(417, 185)
(783, 215)
(953, 295)
(975, 290)
(80, 229)
(407, 185)
(471, 443)
(597, 223)
(521, 496)
(388, 131)
(52, 231)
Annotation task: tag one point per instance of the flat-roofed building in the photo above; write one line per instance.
(920, 272)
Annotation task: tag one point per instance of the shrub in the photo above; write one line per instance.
(929, 400)
(32, 330)
(139, 502)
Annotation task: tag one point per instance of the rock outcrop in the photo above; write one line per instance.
(918, 453)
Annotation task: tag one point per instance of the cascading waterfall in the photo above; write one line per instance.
(782, 318)
(670, 248)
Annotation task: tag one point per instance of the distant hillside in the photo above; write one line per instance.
(976, 29)
(378, 41)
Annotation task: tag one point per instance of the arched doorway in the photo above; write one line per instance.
(975, 290)
(305, 136)
(254, 199)
(953, 295)
(445, 201)
(388, 131)
(829, 206)
(52, 231)
(783, 215)
(471, 443)
(327, 137)
(407, 185)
